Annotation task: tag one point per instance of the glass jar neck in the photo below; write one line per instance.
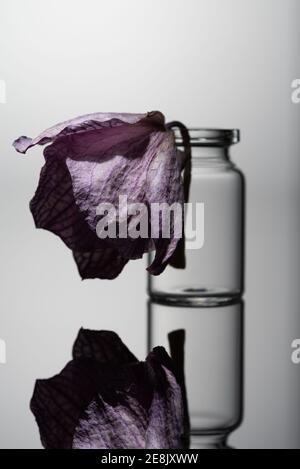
(209, 145)
(211, 152)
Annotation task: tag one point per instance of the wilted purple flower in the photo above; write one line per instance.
(106, 399)
(95, 159)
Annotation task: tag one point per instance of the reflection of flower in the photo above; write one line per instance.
(106, 399)
(94, 159)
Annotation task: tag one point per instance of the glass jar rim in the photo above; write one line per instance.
(209, 137)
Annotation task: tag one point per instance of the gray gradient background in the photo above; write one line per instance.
(208, 63)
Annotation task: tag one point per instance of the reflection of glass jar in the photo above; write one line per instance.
(213, 364)
(214, 227)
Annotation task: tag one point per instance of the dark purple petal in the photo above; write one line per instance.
(176, 341)
(54, 207)
(105, 263)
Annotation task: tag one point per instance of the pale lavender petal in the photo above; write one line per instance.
(154, 177)
(164, 185)
(83, 124)
(22, 144)
(166, 417)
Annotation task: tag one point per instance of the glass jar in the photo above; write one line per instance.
(214, 227)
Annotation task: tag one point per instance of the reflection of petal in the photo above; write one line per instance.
(103, 347)
(145, 411)
(176, 341)
(58, 402)
(166, 417)
(105, 398)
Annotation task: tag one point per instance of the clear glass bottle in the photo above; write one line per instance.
(214, 225)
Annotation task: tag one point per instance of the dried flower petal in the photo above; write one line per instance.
(94, 160)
